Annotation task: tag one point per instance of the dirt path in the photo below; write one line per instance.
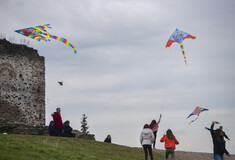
(182, 155)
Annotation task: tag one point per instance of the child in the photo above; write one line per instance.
(146, 140)
(154, 127)
(170, 142)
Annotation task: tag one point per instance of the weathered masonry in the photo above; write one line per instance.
(22, 85)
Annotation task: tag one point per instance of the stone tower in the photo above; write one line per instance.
(22, 85)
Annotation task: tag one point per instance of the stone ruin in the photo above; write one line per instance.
(22, 91)
(22, 88)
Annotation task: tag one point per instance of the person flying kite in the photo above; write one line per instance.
(197, 111)
(40, 33)
(178, 36)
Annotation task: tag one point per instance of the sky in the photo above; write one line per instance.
(123, 76)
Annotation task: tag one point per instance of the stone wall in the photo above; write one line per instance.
(22, 85)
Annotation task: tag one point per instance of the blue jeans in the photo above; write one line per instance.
(218, 157)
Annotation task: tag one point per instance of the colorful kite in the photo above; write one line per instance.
(178, 36)
(197, 111)
(40, 33)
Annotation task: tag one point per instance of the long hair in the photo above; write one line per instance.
(169, 134)
(218, 134)
(152, 123)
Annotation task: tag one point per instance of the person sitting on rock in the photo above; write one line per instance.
(67, 130)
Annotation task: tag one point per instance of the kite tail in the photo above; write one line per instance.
(193, 120)
(182, 49)
(62, 40)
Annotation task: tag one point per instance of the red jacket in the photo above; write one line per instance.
(169, 143)
(57, 120)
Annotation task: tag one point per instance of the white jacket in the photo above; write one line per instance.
(146, 137)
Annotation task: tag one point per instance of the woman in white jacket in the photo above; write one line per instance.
(146, 140)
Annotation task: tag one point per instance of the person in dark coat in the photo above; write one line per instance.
(221, 128)
(218, 143)
(67, 130)
(108, 139)
(52, 130)
(57, 121)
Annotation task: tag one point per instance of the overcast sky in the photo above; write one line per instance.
(123, 76)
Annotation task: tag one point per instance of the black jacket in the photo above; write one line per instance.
(107, 140)
(222, 131)
(67, 131)
(219, 146)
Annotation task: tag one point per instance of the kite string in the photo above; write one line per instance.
(199, 41)
(169, 49)
(167, 84)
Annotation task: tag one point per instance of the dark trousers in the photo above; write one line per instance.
(170, 151)
(155, 136)
(146, 149)
(58, 132)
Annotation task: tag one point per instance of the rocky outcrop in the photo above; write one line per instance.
(22, 89)
(79, 134)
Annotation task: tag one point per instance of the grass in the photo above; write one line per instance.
(29, 147)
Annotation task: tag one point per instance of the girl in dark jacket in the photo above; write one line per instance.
(67, 130)
(218, 143)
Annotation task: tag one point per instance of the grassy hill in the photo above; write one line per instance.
(29, 147)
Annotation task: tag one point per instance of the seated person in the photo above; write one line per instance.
(52, 129)
(67, 130)
(108, 139)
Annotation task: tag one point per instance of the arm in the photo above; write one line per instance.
(212, 129)
(226, 136)
(152, 137)
(207, 128)
(176, 142)
(226, 152)
(141, 138)
(162, 139)
(159, 119)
